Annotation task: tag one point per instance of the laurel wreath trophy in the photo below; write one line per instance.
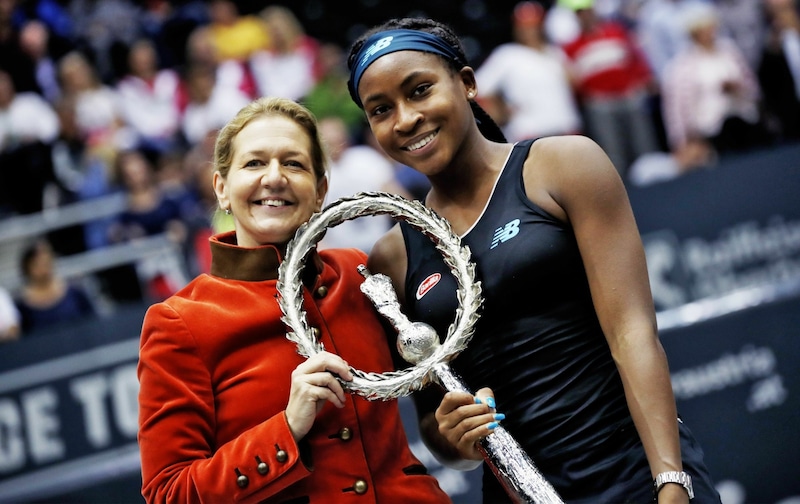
(417, 342)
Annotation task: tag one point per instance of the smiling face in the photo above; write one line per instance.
(272, 187)
(418, 108)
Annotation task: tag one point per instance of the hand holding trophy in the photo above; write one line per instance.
(418, 343)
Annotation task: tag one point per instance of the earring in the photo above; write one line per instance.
(471, 95)
(228, 211)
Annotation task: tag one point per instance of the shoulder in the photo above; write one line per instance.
(570, 168)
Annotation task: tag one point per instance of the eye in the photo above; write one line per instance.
(293, 163)
(379, 110)
(253, 163)
(421, 90)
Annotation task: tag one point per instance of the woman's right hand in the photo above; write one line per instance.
(314, 382)
(465, 419)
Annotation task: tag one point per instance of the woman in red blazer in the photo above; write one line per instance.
(228, 410)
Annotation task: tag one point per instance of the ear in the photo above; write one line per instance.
(322, 191)
(219, 190)
(467, 76)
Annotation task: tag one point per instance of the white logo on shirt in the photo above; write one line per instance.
(505, 233)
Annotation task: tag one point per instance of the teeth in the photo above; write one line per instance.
(422, 143)
(272, 202)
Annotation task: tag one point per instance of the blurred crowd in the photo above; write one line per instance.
(125, 97)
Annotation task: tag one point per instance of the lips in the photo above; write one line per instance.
(421, 143)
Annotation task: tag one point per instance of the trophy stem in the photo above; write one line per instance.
(515, 470)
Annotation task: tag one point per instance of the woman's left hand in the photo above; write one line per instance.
(673, 494)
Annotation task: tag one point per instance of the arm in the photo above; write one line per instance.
(574, 178)
(181, 456)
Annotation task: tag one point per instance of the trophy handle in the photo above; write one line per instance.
(512, 467)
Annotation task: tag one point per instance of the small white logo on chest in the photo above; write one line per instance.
(505, 233)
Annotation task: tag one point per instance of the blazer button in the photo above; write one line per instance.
(242, 481)
(360, 487)
(345, 434)
(262, 468)
(322, 292)
(281, 456)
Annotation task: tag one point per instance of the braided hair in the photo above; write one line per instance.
(487, 126)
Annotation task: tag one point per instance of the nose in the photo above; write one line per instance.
(407, 118)
(272, 175)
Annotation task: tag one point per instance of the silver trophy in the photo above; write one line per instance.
(417, 342)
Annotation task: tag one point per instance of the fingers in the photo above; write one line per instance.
(464, 420)
(314, 382)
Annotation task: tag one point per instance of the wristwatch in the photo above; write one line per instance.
(679, 477)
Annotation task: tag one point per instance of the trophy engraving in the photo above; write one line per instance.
(418, 343)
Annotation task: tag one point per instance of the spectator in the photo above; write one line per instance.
(710, 91)
(354, 168)
(81, 171)
(9, 317)
(329, 95)
(34, 40)
(613, 82)
(28, 125)
(779, 71)
(149, 97)
(97, 108)
(288, 67)
(524, 84)
(149, 212)
(235, 36)
(229, 73)
(211, 103)
(46, 299)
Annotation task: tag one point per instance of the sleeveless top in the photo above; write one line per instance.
(538, 343)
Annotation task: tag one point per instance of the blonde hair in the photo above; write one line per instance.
(269, 106)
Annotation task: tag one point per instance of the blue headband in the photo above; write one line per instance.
(385, 42)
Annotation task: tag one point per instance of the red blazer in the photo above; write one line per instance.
(214, 372)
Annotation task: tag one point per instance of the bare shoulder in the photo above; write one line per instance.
(567, 166)
(568, 152)
(388, 256)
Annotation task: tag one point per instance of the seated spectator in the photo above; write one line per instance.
(97, 108)
(710, 91)
(329, 96)
(524, 84)
(288, 66)
(234, 35)
(149, 98)
(28, 125)
(211, 103)
(9, 317)
(46, 299)
(34, 39)
(149, 213)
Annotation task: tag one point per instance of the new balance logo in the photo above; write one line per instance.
(505, 233)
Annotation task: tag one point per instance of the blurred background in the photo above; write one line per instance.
(108, 114)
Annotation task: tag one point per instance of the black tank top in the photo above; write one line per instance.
(538, 343)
